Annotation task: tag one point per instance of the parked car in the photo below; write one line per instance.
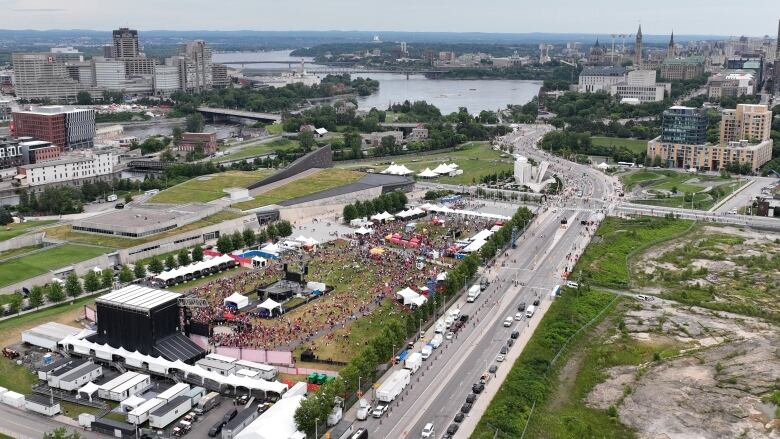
(493, 368)
(519, 316)
(471, 398)
(478, 388)
(459, 417)
(500, 358)
(510, 341)
(508, 322)
(465, 408)
(449, 335)
(515, 334)
(452, 429)
(428, 431)
(521, 307)
(379, 410)
(504, 350)
(536, 302)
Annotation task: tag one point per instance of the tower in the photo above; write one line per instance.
(638, 48)
(125, 43)
(777, 60)
(670, 49)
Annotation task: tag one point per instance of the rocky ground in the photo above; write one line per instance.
(712, 389)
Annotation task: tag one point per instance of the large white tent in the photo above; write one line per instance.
(427, 173)
(278, 422)
(270, 305)
(238, 300)
(204, 267)
(443, 169)
(384, 216)
(364, 231)
(394, 169)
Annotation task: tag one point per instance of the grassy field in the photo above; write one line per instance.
(476, 159)
(634, 145)
(19, 251)
(259, 149)
(66, 233)
(13, 230)
(320, 181)
(606, 260)
(19, 269)
(208, 187)
(670, 188)
(15, 378)
(66, 313)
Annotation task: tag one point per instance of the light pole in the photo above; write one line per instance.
(316, 430)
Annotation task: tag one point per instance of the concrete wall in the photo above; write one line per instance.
(320, 158)
(22, 241)
(326, 208)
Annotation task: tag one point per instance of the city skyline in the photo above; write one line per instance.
(663, 17)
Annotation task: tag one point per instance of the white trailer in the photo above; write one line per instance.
(474, 292)
(13, 399)
(413, 362)
(393, 386)
(168, 413)
(141, 413)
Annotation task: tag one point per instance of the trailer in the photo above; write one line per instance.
(393, 386)
(140, 414)
(208, 402)
(413, 362)
(168, 413)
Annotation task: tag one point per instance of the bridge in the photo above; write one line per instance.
(225, 113)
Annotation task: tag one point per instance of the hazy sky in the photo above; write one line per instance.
(718, 17)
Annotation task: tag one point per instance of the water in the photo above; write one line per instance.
(447, 94)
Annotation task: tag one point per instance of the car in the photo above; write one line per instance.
(262, 408)
(504, 350)
(119, 206)
(519, 316)
(459, 417)
(464, 318)
(500, 358)
(215, 429)
(449, 335)
(471, 398)
(465, 408)
(515, 334)
(521, 307)
(536, 302)
(733, 211)
(508, 321)
(478, 388)
(379, 410)
(452, 429)
(484, 379)
(428, 431)
(644, 297)
(510, 342)
(493, 368)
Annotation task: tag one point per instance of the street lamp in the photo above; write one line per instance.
(316, 431)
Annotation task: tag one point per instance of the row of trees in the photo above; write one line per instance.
(391, 202)
(236, 241)
(394, 333)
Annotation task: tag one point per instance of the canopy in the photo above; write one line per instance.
(316, 286)
(270, 305)
(384, 216)
(394, 169)
(603, 165)
(278, 422)
(407, 296)
(443, 169)
(236, 299)
(88, 390)
(427, 173)
(474, 246)
(306, 241)
(427, 206)
(363, 231)
(419, 300)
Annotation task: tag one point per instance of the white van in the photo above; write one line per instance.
(426, 351)
(455, 314)
(440, 327)
(474, 292)
(571, 284)
(529, 312)
(436, 341)
(508, 322)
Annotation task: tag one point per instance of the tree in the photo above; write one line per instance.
(271, 232)
(15, 303)
(139, 271)
(170, 262)
(35, 298)
(61, 433)
(128, 198)
(224, 244)
(197, 253)
(125, 274)
(352, 141)
(195, 123)
(249, 237)
(91, 281)
(177, 132)
(167, 156)
(73, 285)
(84, 98)
(306, 139)
(156, 266)
(349, 213)
(183, 257)
(262, 237)
(107, 278)
(54, 293)
(5, 216)
(387, 145)
(237, 240)
(284, 228)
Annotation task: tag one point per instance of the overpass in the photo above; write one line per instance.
(217, 113)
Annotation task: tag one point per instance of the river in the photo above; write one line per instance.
(447, 94)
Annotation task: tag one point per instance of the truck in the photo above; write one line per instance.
(426, 351)
(364, 408)
(111, 198)
(208, 402)
(393, 386)
(436, 341)
(473, 293)
(413, 362)
(529, 312)
(400, 358)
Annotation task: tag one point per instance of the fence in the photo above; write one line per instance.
(257, 355)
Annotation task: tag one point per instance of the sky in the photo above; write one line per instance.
(658, 17)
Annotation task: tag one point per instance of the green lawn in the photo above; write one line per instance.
(700, 201)
(16, 378)
(19, 269)
(634, 145)
(65, 313)
(679, 183)
(66, 233)
(605, 261)
(476, 159)
(208, 187)
(259, 149)
(13, 230)
(317, 182)
(274, 129)
(18, 251)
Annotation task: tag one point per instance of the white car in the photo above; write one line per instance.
(427, 431)
(644, 298)
(508, 322)
(379, 410)
(571, 284)
(500, 358)
(449, 335)
(519, 316)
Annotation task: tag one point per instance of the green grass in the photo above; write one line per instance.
(13, 230)
(317, 182)
(275, 129)
(605, 261)
(25, 267)
(208, 188)
(66, 233)
(634, 145)
(16, 378)
(700, 201)
(10, 329)
(19, 251)
(476, 159)
(260, 149)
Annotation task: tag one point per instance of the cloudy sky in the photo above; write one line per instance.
(713, 17)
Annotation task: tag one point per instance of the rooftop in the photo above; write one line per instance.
(170, 405)
(603, 71)
(691, 60)
(137, 297)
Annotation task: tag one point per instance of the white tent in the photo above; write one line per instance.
(419, 300)
(384, 216)
(453, 166)
(316, 286)
(394, 169)
(427, 206)
(258, 261)
(238, 300)
(306, 241)
(88, 390)
(427, 173)
(407, 296)
(278, 422)
(603, 165)
(443, 169)
(474, 246)
(364, 231)
(270, 305)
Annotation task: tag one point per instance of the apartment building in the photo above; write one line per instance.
(66, 127)
(747, 122)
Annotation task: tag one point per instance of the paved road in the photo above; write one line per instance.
(746, 195)
(21, 424)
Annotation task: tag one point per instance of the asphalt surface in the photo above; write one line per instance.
(21, 424)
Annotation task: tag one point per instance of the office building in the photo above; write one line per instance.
(219, 76)
(640, 87)
(195, 66)
(67, 54)
(754, 63)
(66, 127)
(125, 43)
(7, 107)
(166, 80)
(109, 73)
(10, 153)
(777, 60)
(732, 83)
(746, 122)
(37, 151)
(43, 76)
(684, 125)
(593, 79)
(68, 168)
(680, 69)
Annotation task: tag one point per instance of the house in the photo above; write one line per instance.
(375, 139)
(343, 107)
(418, 133)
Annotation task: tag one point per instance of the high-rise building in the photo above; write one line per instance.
(219, 76)
(166, 80)
(684, 125)
(747, 122)
(195, 66)
(126, 43)
(65, 127)
(43, 76)
(638, 48)
(777, 59)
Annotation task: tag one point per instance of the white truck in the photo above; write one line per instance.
(474, 292)
(529, 312)
(393, 386)
(426, 351)
(208, 402)
(436, 341)
(413, 362)
(364, 408)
